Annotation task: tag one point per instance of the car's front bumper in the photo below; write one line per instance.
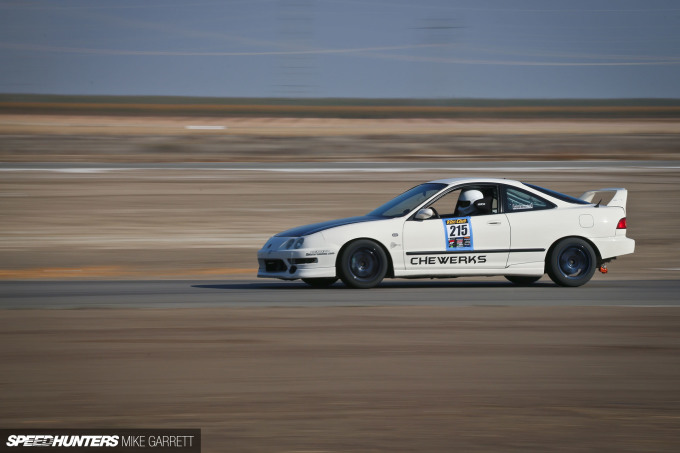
(292, 265)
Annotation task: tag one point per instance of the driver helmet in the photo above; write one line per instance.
(466, 201)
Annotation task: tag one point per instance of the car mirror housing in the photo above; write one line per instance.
(424, 214)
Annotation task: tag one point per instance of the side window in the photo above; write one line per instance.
(445, 205)
(484, 200)
(518, 200)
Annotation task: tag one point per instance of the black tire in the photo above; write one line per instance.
(572, 262)
(363, 264)
(521, 280)
(320, 282)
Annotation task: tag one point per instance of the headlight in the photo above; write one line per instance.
(286, 245)
(292, 243)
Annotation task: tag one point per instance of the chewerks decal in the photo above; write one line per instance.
(450, 259)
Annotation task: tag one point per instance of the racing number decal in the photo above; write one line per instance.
(458, 230)
(458, 234)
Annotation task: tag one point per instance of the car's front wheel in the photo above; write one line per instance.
(363, 264)
(572, 262)
(320, 282)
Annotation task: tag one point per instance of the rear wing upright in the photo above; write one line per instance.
(620, 197)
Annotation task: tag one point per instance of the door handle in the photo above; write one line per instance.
(494, 222)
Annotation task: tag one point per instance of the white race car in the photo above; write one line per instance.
(458, 227)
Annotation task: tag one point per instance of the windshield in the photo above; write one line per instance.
(558, 195)
(408, 201)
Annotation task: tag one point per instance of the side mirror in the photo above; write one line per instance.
(424, 214)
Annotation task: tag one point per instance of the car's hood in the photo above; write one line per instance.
(316, 227)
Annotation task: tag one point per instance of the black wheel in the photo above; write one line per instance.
(363, 264)
(521, 280)
(320, 282)
(572, 262)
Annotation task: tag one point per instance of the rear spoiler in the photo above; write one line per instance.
(620, 197)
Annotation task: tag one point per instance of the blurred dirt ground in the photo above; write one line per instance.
(397, 379)
(73, 138)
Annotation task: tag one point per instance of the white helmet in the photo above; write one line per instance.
(466, 201)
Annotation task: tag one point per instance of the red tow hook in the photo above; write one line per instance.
(604, 269)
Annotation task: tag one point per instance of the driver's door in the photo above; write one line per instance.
(445, 243)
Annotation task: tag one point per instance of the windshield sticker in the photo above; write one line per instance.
(517, 207)
(458, 234)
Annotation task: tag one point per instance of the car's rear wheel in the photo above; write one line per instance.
(572, 262)
(522, 280)
(320, 282)
(363, 264)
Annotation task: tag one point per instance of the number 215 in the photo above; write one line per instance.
(458, 230)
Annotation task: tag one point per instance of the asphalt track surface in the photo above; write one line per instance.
(267, 293)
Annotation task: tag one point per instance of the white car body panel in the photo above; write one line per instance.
(503, 243)
(491, 232)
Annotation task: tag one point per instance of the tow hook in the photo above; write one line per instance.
(603, 268)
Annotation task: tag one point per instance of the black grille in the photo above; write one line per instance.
(304, 260)
(275, 265)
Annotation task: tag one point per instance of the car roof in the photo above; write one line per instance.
(454, 181)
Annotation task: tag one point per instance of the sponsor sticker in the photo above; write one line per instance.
(320, 253)
(458, 234)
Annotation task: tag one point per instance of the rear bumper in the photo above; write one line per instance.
(614, 246)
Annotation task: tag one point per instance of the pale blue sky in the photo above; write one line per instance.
(342, 48)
